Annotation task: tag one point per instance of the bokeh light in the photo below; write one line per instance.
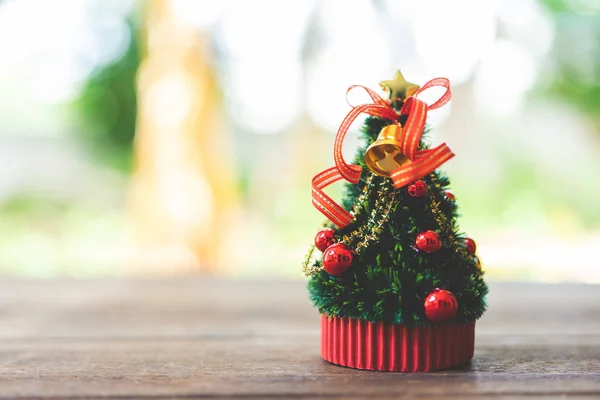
(176, 136)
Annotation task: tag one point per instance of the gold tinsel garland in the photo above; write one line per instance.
(367, 233)
(446, 229)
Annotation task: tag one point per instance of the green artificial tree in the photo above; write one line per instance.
(400, 264)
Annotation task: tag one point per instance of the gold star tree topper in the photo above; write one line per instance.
(398, 88)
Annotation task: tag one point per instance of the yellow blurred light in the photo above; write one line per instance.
(170, 99)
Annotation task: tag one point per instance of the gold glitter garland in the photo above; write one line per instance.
(446, 226)
(367, 233)
(446, 229)
(309, 268)
(364, 235)
(363, 196)
(441, 218)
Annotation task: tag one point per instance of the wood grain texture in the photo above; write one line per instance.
(209, 338)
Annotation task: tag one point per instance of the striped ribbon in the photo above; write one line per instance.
(422, 162)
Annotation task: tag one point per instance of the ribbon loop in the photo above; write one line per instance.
(379, 108)
(377, 99)
(442, 82)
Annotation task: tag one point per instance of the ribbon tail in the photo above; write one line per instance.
(425, 163)
(333, 211)
(413, 128)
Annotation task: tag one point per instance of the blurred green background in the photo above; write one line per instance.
(168, 137)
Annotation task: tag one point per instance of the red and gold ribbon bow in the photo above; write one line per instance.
(422, 162)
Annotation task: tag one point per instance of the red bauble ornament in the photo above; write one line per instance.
(336, 259)
(471, 246)
(417, 189)
(441, 306)
(478, 262)
(325, 238)
(428, 241)
(449, 195)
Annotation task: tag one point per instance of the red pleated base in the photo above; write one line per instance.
(392, 347)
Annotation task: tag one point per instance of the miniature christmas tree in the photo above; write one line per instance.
(398, 286)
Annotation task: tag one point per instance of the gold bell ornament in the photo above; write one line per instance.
(384, 155)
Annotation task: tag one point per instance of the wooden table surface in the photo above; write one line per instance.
(210, 338)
